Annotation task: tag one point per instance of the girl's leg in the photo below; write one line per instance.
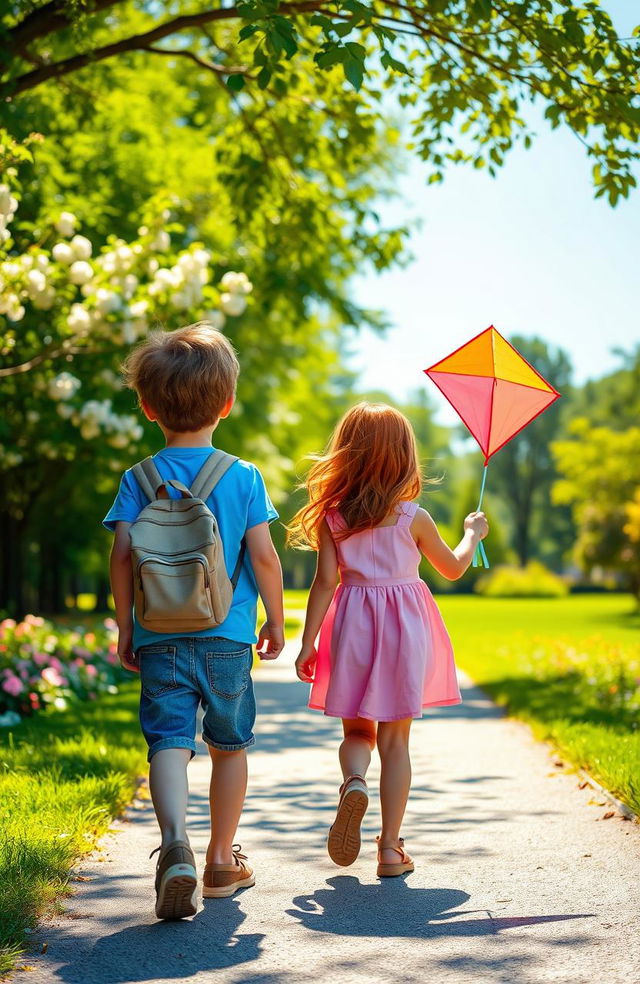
(169, 792)
(395, 782)
(226, 799)
(357, 745)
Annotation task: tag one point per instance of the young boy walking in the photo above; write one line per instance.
(186, 381)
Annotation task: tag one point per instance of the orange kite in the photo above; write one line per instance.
(494, 390)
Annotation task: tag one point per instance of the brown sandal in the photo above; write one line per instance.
(399, 868)
(344, 837)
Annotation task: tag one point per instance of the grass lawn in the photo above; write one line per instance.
(63, 777)
(570, 667)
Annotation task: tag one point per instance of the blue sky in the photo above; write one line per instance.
(530, 251)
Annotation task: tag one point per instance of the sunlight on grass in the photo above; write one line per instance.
(63, 777)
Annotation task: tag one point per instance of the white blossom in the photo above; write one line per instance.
(233, 304)
(80, 272)
(81, 247)
(66, 224)
(45, 299)
(63, 386)
(162, 242)
(5, 199)
(36, 282)
(236, 283)
(107, 301)
(215, 318)
(124, 257)
(62, 253)
(79, 318)
(65, 411)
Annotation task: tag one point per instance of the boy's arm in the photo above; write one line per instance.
(320, 595)
(122, 591)
(450, 563)
(268, 573)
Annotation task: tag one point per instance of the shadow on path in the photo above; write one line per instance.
(165, 950)
(394, 909)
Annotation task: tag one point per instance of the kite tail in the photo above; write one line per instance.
(480, 558)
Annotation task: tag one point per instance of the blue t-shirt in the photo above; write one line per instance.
(239, 501)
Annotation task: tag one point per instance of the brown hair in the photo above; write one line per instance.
(186, 376)
(371, 464)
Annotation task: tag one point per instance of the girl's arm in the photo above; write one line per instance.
(122, 591)
(268, 573)
(450, 563)
(320, 595)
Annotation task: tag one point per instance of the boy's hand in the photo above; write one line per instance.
(306, 664)
(126, 655)
(271, 636)
(477, 523)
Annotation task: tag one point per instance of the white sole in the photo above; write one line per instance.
(177, 896)
(226, 890)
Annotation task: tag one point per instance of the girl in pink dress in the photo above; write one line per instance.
(383, 652)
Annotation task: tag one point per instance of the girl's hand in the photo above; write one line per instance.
(477, 523)
(306, 664)
(271, 636)
(126, 655)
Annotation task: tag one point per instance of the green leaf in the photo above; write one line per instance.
(353, 72)
(236, 82)
(264, 77)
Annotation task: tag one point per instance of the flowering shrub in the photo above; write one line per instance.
(70, 308)
(42, 666)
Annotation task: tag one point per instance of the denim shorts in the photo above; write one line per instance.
(177, 675)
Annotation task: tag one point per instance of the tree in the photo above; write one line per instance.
(466, 70)
(523, 471)
(599, 477)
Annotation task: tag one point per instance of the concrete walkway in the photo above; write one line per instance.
(518, 879)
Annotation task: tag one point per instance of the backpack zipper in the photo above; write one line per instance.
(174, 563)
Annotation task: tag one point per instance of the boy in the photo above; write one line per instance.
(186, 381)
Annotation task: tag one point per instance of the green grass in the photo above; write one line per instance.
(570, 667)
(63, 777)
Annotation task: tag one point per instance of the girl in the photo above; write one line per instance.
(384, 652)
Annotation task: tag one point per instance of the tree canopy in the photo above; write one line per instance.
(465, 69)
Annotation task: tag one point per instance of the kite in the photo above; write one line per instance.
(495, 392)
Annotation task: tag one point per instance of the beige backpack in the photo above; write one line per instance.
(180, 580)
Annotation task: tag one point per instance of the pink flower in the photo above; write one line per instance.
(51, 675)
(41, 659)
(110, 624)
(91, 670)
(12, 685)
(34, 620)
(8, 623)
(55, 663)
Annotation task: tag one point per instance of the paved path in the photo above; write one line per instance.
(519, 880)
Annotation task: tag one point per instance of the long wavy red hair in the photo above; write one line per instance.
(370, 464)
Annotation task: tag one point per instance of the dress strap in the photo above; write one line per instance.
(409, 509)
(334, 520)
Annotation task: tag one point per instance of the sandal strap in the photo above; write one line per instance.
(399, 850)
(350, 779)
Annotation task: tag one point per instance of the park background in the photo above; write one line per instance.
(143, 191)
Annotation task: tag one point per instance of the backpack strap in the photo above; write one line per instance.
(216, 465)
(148, 478)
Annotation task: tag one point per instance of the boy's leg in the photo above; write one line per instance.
(170, 791)
(226, 799)
(395, 782)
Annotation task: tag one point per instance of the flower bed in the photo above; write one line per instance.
(45, 666)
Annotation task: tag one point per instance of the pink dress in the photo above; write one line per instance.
(384, 652)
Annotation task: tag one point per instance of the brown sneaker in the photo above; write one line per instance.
(222, 880)
(176, 882)
(343, 844)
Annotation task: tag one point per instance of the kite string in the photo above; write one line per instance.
(480, 558)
